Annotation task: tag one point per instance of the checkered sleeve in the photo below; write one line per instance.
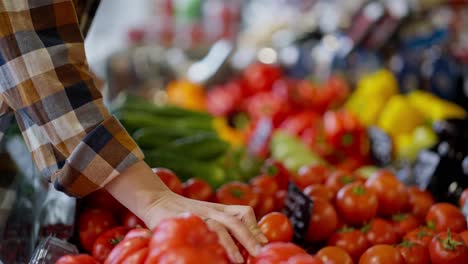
(45, 80)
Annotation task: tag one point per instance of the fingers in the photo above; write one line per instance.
(226, 241)
(239, 230)
(247, 216)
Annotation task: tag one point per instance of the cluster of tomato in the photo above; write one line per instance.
(184, 239)
(354, 220)
(379, 220)
(302, 107)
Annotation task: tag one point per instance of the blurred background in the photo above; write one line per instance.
(354, 84)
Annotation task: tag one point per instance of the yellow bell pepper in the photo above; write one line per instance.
(399, 116)
(366, 110)
(371, 94)
(435, 108)
(381, 84)
(186, 94)
(227, 133)
(405, 149)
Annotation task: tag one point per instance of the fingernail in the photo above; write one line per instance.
(263, 238)
(238, 257)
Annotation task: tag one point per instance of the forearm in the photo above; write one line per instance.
(137, 188)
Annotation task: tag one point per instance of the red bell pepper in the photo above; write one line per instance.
(266, 104)
(225, 99)
(260, 77)
(345, 133)
(296, 124)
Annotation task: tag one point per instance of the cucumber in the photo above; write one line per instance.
(151, 137)
(135, 103)
(134, 120)
(292, 152)
(187, 168)
(201, 146)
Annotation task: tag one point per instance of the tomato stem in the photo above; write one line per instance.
(365, 228)
(406, 243)
(399, 217)
(347, 140)
(115, 241)
(431, 225)
(237, 193)
(422, 234)
(449, 243)
(346, 229)
(272, 170)
(359, 190)
(346, 179)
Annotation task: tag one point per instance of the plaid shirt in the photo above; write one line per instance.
(45, 83)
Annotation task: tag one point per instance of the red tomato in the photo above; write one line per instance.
(276, 227)
(91, 224)
(356, 203)
(266, 104)
(266, 183)
(137, 257)
(338, 180)
(101, 199)
(224, 100)
(260, 77)
(444, 216)
(107, 241)
(189, 255)
(380, 231)
(265, 204)
(236, 193)
(351, 240)
(319, 191)
(311, 174)
(297, 124)
(278, 171)
(280, 197)
(448, 248)
(323, 221)
(178, 238)
(420, 201)
(131, 220)
(277, 252)
(197, 189)
(334, 255)
(421, 235)
(391, 193)
(170, 179)
(304, 259)
(463, 198)
(125, 249)
(139, 232)
(464, 235)
(414, 253)
(404, 223)
(382, 254)
(77, 259)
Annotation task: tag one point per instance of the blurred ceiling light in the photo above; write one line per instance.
(267, 55)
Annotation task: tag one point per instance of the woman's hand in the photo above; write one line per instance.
(146, 196)
(224, 220)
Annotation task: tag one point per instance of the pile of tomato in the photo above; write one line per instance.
(355, 219)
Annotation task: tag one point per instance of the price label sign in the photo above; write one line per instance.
(465, 210)
(381, 146)
(298, 207)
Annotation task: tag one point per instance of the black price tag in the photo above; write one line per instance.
(381, 146)
(426, 167)
(465, 210)
(261, 136)
(298, 208)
